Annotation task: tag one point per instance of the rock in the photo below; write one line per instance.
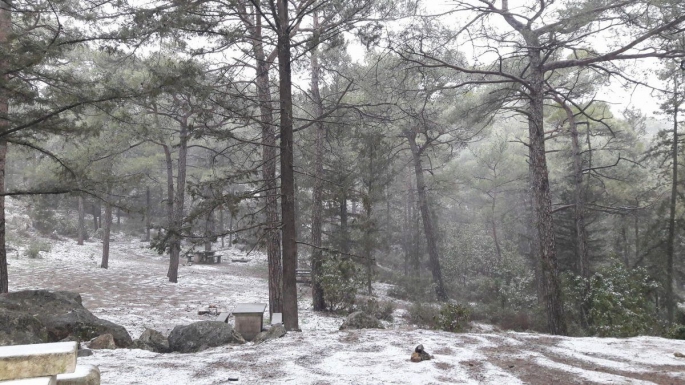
(105, 341)
(153, 341)
(37, 360)
(361, 320)
(84, 353)
(276, 331)
(420, 354)
(679, 355)
(19, 328)
(63, 315)
(202, 335)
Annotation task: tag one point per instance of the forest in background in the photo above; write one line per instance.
(464, 157)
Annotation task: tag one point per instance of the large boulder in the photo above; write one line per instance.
(19, 328)
(202, 335)
(63, 315)
(361, 320)
(153, 341)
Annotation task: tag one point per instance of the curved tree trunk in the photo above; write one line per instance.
(428, 225)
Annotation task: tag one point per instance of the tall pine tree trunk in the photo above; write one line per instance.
(317, 198)
(670, 242)
(428, 225)
(289, 233)
(5, 29)
(542, 202)
(269, 156)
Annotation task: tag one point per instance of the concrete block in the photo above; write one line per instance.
(37, 360)
(83, 375)
(32, 381)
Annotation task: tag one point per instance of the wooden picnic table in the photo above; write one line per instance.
(204, 257)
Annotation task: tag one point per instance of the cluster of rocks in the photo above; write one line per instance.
(361, 320)
(39, 316)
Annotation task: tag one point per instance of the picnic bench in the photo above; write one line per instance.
(303, 275)
(45, 364)
(204, 257)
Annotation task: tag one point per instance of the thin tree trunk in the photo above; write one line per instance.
(272, 236)
(318, 302)
(96, 214)
(344, 236)
(81, 221)
(105, 235)
(148, 212)
(177, 220)
(670, 243)
(169, 202)
(407, 225)
(624, 239)
(221, 225)
(428, 226)
(493, 226)
(209, 231)
(290, 315)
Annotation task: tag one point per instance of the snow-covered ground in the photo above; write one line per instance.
(134, 292)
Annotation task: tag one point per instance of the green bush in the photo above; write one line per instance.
(677, 332)
(341, 279)
(412, 288)
(382, 310)
(424, 315)
(453, 318)
(615, 301)
(34, 249)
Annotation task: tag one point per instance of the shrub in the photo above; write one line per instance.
(412, 288)
(424, 315)
(34, 249)
(453, 317)
(616, 301)
(677, 332)
(341, 279)
(382, 310)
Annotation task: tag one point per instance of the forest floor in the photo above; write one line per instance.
(134, 293)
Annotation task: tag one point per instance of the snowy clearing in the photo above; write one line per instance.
(134, 293)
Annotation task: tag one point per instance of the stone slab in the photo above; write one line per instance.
(248, 308)
(37, 360)
(83, 375)
(32, 381)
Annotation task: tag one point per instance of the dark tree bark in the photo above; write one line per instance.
(428, 225)
(148, 214)
(5, 29)
(105, 235)
(81, 221)
(317, 199)
(344, 233)
(176, 227)
(289, 231)
(670, 242)
(269, 158)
